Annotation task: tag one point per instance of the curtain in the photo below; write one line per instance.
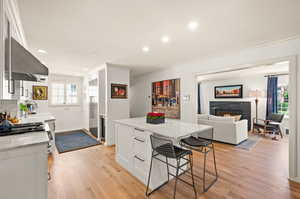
(272, 87)
(199, 98)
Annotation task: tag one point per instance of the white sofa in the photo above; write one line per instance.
(226, 129)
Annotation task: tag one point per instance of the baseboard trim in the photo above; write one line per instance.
(68, 130)
(295, 179)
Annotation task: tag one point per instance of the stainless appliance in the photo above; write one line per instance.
(93, 107)
(22, 128)
(7, 130)
(20, 64)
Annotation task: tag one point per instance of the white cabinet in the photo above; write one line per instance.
(140, 153)
(24, 172)
(124, 145)
(10, 26)
(133, 152)
(132, 146)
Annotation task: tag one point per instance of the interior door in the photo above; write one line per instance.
(93, 107)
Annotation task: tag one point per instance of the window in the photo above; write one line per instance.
(283, 100)
(58, 93)
(64, 94)
(71, 94)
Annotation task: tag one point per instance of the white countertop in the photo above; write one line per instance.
(22, 140)
(27, 139)
(40, 117)
(172, 128)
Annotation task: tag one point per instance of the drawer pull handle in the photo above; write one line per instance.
(139, 129)
(137, 139)
(140, 159)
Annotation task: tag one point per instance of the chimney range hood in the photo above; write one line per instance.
(24, 66)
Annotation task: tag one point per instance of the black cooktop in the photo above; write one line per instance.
(22, 128)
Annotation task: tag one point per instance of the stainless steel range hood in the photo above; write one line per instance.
(24, 66)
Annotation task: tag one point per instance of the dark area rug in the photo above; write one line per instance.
(249, 143)
(70, 141)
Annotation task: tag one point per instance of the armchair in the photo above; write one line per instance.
(270, 125)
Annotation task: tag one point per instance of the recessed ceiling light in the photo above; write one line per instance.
(42, 51)
(145, 49)
(165, 39)
(193, 25)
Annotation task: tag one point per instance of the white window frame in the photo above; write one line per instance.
(65, 83)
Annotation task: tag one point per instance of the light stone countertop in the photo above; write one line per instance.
(26, 139)
(40, 117)
(21, 140)
(172, 128)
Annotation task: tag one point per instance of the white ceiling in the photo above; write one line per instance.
(276, 68)
(79, 34)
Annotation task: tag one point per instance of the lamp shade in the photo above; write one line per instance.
(256, 93)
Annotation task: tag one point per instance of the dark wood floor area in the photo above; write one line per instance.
(93, 173)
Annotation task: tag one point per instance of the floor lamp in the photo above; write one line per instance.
(256, 94)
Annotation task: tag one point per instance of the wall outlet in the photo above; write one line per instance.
(186, 97)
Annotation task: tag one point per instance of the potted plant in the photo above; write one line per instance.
(155, 118)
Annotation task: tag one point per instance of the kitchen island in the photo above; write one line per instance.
(133, 146)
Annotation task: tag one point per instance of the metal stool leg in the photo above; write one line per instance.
(193, 182)
(149, 176)
(176, 178)
(205, 189)
(213, 149)
(168, 171)
(204, 169)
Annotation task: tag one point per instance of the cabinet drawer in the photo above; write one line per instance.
(141, 142)
(140, 133)
(139, 146)
(140, 165)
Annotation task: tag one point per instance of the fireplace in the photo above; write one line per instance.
(221, 108)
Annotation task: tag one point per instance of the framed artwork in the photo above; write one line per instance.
(166, 98)
(118, 91)
(40, 92)
(231, 91)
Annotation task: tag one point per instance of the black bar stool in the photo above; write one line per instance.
(203, 144)
(164, 147)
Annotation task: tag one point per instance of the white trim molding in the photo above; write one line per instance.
(294, 109)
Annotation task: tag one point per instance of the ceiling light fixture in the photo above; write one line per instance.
(165, 39)
(42, 51)
(145, 49)
(193, 25)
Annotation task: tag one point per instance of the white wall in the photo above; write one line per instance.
(115, 108)
(249, 83)
(141, 86)
(42, 104)
(69, 117)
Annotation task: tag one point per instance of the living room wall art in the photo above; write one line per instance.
(231, 91)
(166, 98)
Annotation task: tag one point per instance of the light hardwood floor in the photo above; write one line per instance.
(93, 173)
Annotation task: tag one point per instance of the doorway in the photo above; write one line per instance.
(93, 107)
(287, 93)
